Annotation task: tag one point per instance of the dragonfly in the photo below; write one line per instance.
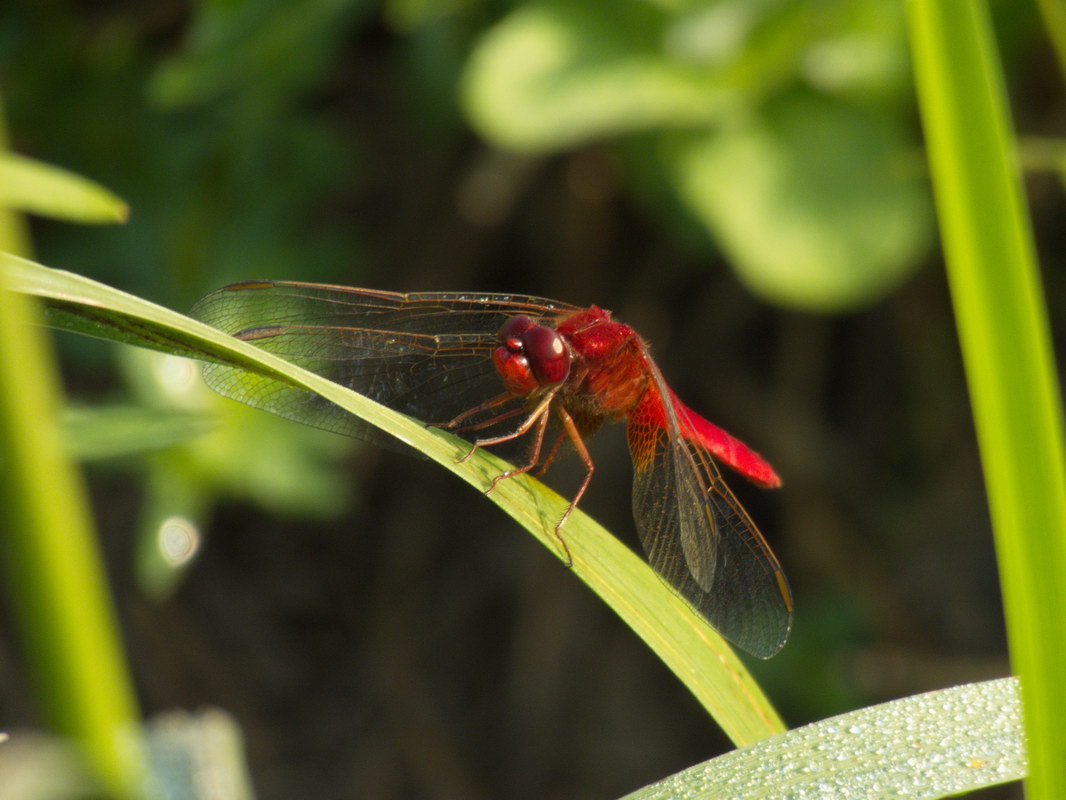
(525, 372)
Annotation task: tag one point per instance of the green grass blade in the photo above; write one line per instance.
(53, 573)
(32, 186)
(932, 745)
(1003, 329)
(689, 647)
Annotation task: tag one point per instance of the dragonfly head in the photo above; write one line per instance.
(530, 355)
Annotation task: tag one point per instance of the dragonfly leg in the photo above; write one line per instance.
(540, 410)
(454, 424)
(551, 455)
(514, 412)
(570, 428)
(534, 454)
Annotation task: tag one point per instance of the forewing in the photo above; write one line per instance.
(426, 354)
(698, 537)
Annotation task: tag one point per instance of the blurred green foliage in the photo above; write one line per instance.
(781, 128)
(248, 456)
(778, 125)
(202, 143)
(223, 178)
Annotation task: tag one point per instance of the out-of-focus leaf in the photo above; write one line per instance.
(254, 457)
(263, 45)
(198, 756)
(555, 73)
(286, 470)
(1043, 155)
(38, 767)
(406, 15)
(33, 187)
(864, 56)
(115, 431)
(816, 203)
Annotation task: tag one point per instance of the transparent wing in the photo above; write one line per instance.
(424, 354)
(698, 537)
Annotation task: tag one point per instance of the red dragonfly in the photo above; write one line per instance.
(473, 362)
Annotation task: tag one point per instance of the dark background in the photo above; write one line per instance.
(375, 627)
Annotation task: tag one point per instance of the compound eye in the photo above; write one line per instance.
(547, 354)
(515, 371)
(512, 330)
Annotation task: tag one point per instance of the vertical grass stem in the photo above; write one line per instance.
(1004, 333)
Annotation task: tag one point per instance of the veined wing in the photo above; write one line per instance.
(697, 536)
(426, 354)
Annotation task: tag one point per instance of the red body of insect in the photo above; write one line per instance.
(445, 357)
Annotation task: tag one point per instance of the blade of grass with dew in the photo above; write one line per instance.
(699, 657)
(1004, 333)
(931, 745)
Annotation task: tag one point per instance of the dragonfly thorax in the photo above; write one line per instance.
(530, 356)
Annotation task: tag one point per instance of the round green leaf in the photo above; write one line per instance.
(552, 74)
(819, 205)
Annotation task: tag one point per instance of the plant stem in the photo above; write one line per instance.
(1005, 339)
(53, 572)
